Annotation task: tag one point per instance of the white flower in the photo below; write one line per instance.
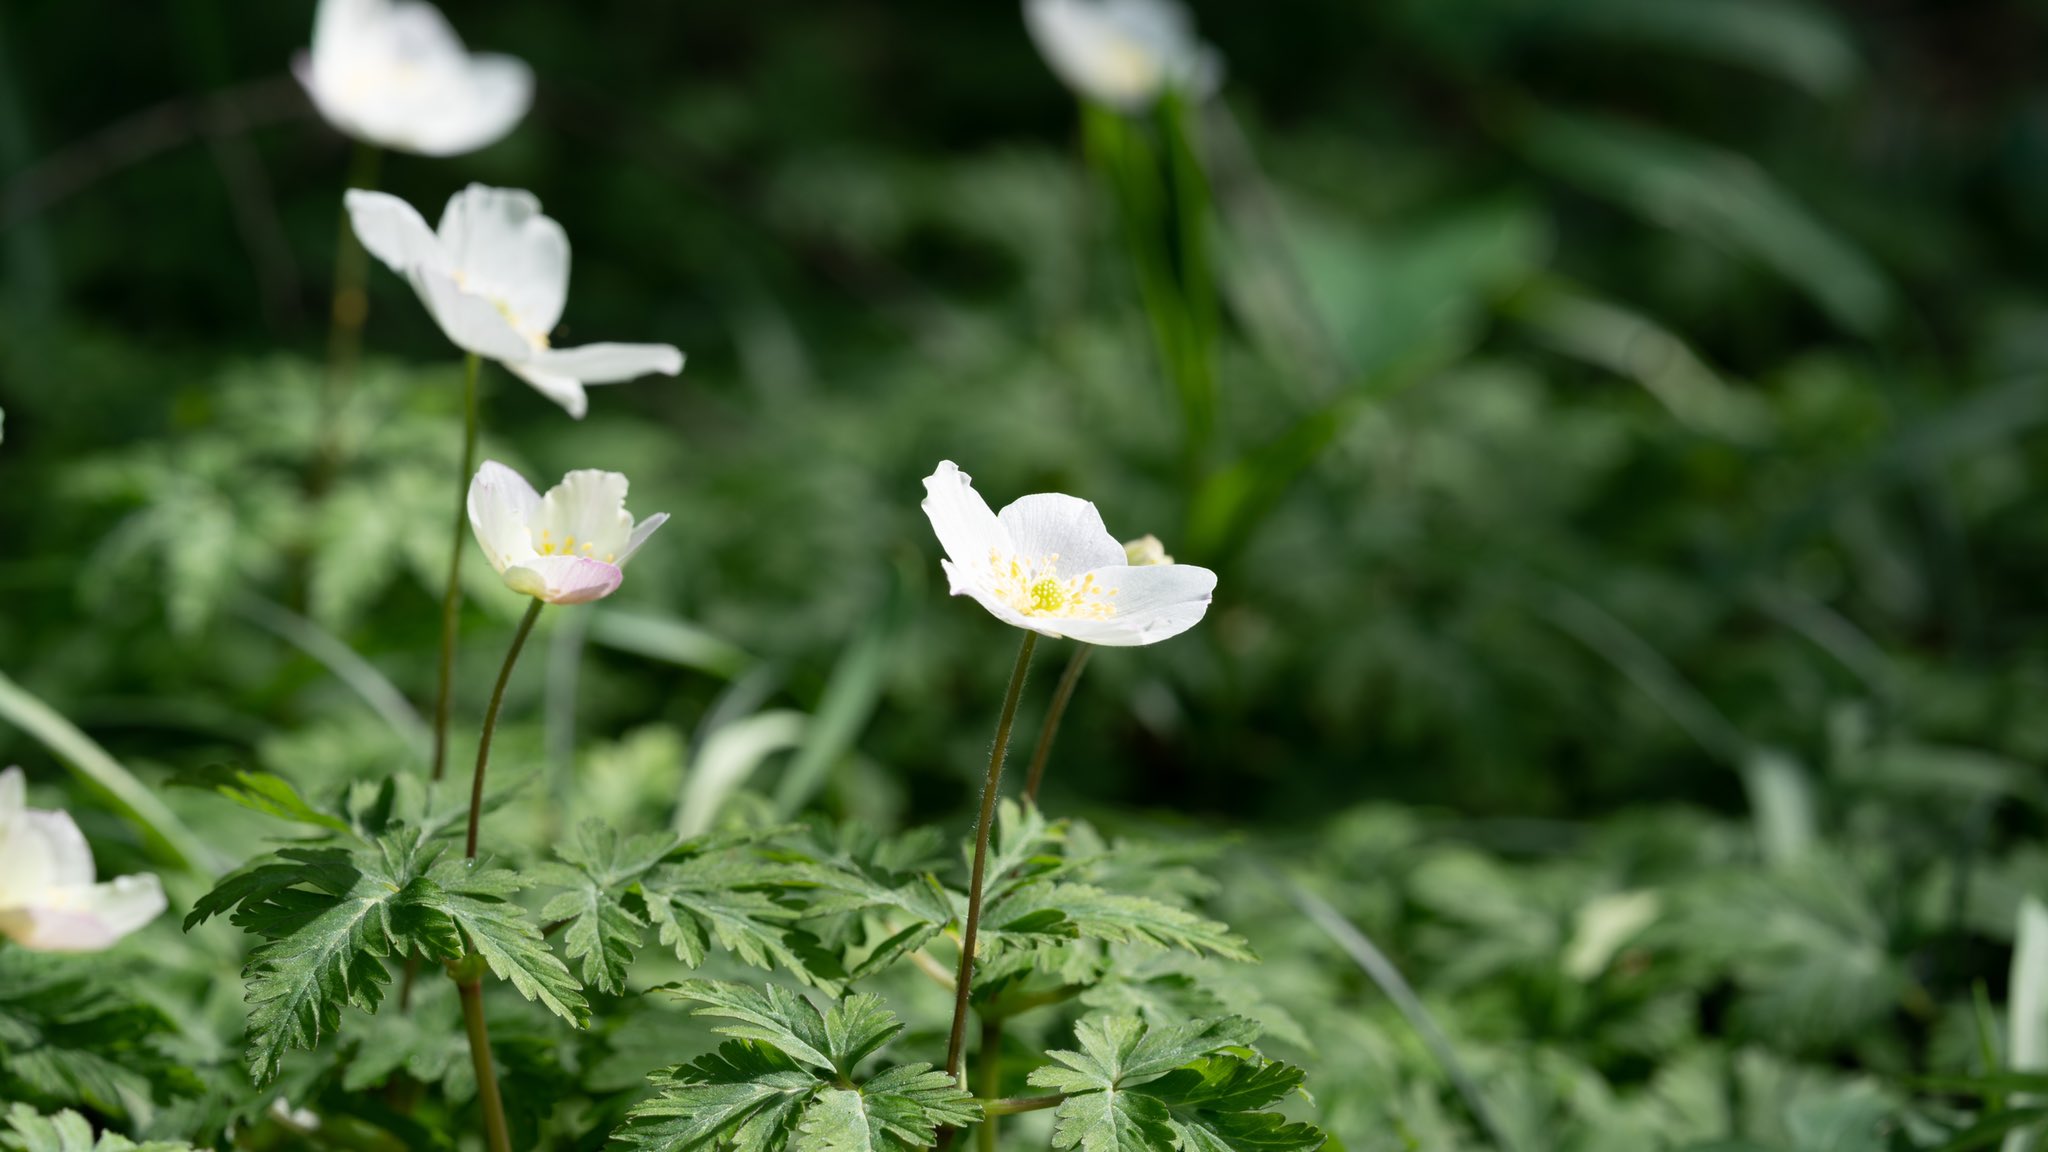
(495, 278)
(396, 75)
(1123, 53)
(1145, 551)
(48, 901)
(1047, 564)
(566, 547)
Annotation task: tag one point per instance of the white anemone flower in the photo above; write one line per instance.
(495, 277)
(1123, 53)
(394, 74)
(48, 900)
(567, 547)
(1047, 563)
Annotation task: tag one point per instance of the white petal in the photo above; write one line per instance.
(13, 793)
(966, 529)
(609, 363)
(501, 506)
(503, 248)
(87, 918)
(564, 579)
(1152, 604)
(1055, 524)
(966, 583)
(42, 851)
(585, 515)
(641, 532)
(563, 390)
(1121, 53)
(472, 322)
(393, 232)
(496, 93)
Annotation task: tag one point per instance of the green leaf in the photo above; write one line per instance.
(69, 1132)
(505, 935)
(599, 866)
(1195, 1087)
(786, 1081)
(724, 899)
(69, 1037)
(326, 950)
(1118, 918)
(259, 791)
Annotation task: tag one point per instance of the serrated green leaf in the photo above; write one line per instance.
(1116, 917)
(724, 899)
(259, 791)
(741, 1097)
(1195, 1087)
(505, 935)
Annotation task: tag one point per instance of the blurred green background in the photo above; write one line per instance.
(1625, 480)
(1565, 345)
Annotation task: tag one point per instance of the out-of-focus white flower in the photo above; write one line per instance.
(495, 278)
(567, 547)
(1146, 550)
(1046, 563)
(1123, 53)
(48, 900)
(395, 74)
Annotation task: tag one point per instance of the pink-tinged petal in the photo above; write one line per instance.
(609, 363)
(501, 507)
(966, 528)
(393, 232)
(1055, 524)
(474, 323)
(641, 532)
(88, 918)
(564, 579)
(562, 390)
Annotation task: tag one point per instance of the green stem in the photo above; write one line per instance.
(956, 1058)
(1058, 708)
(493, 1105)
(351, 306)
(451, 596)
(1015, 1104)
(483, 745)
(991, 1069)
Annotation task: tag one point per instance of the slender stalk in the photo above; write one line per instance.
(493, 1105)
(483, 745)
(956, 1058)
(991, 1069)
(1053, 713)
(350, 308)
(1015, 1104)
(451, 596)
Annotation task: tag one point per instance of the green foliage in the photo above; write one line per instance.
(1195, 1085)
(787, 1080)
(68, 1132)
(74, 1038)
(334, 919)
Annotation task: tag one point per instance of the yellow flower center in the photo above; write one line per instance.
(569, 547)
(1035, 588)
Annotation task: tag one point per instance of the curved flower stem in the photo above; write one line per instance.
(487, 1097)
(956, 1059)
(483, 746)
(990, 1066)
(1053, 714)
(451, 597)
